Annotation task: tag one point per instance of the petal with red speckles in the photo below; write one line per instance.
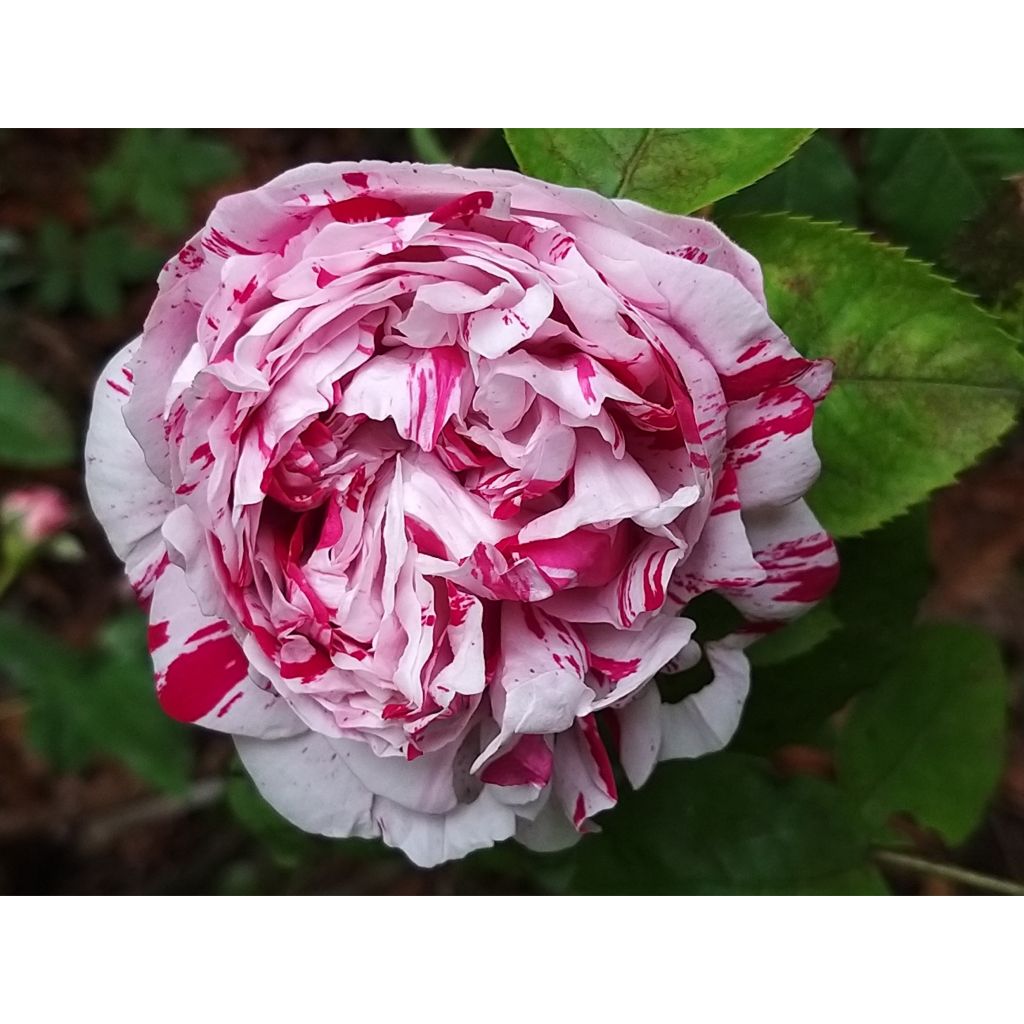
(202, 674)
(128, 500)
(305, 780)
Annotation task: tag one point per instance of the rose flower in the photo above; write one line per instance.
(416, 468)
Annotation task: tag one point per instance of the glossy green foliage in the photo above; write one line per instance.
(925, 381)
(674, 169)
(818, 182)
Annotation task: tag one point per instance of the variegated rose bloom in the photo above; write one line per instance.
(416, 468)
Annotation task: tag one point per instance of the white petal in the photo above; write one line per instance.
(640, 735)
(306, 780)
(549, 831)
(705, 721)
(429, 839)
(129, 502)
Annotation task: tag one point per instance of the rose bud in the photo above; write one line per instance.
(38, 513)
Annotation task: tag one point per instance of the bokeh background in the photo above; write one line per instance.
(99, 792)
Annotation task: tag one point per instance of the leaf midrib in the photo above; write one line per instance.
(631, 164)
(1009, 392)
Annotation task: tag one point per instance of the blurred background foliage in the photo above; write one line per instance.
(883, 731)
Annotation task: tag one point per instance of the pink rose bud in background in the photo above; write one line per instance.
(38, 512)
(418, 469)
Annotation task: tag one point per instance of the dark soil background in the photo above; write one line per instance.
(101, 829)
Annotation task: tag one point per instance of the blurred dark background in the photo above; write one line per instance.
(99, 793)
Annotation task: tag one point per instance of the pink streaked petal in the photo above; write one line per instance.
(587, 557)
(584, 784)
(623, 660)
(799, 560)
(465, 672)
(419, 392)
(579, 384)
(771, 447)
(493, 332)
(604, 489)
(722, 556)
(433, 495)
(640, 587)
(529, 762)
(539, 685)
(202, 675)
(689, 238)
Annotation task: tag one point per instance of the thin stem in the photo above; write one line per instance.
(923, 866)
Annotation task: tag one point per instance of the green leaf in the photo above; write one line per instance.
(674, 169)
(34, 430)
(100, 282)
(790, 701)
(925, 381)
(491, 149)
(55, 259)
(818, 181)
(153, 170)
(85, 703)
(428, 147)
(797, 638)
(506, 862)
(724, 825)
(127, 720)
(923, 184)
(930, 739)
(90, 270)
(897, 552)
(110, 259)
(39, 666)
